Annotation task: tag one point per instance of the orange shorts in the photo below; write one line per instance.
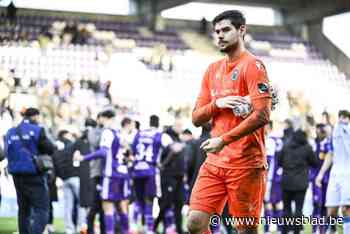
(243, 189)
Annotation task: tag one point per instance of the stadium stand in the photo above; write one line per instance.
(31, 27)
(82, 56)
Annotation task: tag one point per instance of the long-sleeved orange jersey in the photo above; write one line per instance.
(244, 138)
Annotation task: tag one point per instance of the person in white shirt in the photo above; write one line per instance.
(338, 191)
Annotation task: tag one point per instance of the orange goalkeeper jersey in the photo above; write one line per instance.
(244, 76)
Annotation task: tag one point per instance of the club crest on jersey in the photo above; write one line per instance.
(263, 87)
(235, 74)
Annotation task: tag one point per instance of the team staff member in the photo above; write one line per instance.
(31, 186)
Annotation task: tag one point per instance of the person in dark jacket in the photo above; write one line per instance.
(28, 138)
(83, 145)
(196, 159)
(296, 158)
(85, 188)
(172, 173)
(53, 194)
(69, 173)
(63, 159)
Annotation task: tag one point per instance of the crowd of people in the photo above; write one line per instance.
(131, 176)
(297, 159)
(151, 160)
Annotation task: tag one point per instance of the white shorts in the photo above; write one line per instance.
(338, 191)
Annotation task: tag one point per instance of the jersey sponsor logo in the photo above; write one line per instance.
(263, 88)
(235, 74)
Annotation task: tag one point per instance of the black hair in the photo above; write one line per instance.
(90, 123)
(344, 113)
(325, 113)
(154, 121)
(187, 131)
(137, 125)
(320, 125)
(107, 114)
(30, 112)
(236, 18)
(300, 136)
(125, 121)
(61, 134)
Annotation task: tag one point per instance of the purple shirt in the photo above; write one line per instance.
(113, 163)
(322, 148)
(147, 147)
(273, 147)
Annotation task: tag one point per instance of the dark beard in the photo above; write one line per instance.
(230, 48)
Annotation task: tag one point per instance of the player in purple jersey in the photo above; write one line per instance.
(273, 195)
(115, 182)
(322, 148)
(146, 147)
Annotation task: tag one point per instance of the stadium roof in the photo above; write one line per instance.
(294, 10)
(280, 4)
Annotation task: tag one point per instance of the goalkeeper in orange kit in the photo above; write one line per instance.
(235, 169)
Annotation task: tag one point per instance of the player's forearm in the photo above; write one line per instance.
(101, 153)
(257, 119)
(203, 114)
(326, 164)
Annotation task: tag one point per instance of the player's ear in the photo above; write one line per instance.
(242, 30)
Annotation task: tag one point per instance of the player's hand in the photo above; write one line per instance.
(213, 145)
(77, 156)
(230, 101)
(318, 180)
